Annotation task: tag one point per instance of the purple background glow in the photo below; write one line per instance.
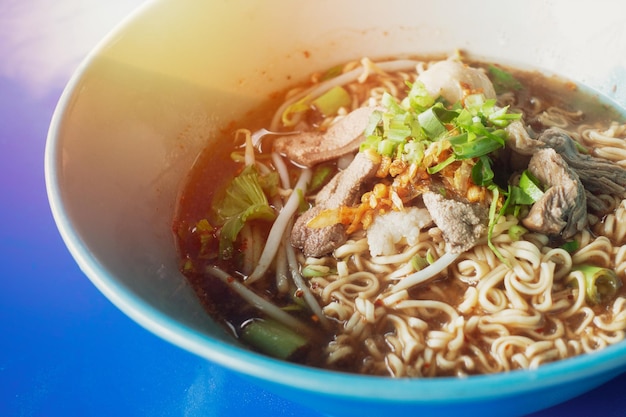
(65, 350)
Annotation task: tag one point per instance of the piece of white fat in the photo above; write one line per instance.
(452, 80)
(390, 229)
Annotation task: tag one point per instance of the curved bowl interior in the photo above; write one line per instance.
(153, 94)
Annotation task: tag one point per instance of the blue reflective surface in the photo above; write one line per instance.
(66, 350)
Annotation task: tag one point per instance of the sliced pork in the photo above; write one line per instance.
(341, 138)
(344, 189)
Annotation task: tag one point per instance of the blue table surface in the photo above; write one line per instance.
(65, 350)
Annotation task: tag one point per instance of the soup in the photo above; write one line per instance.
(414, 218)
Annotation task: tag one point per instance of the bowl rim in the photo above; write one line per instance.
(610, 360)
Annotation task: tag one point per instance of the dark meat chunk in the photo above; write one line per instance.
(343, 190)
(520, 141)
(341, 138)
(562, 210)
(462, 224)
(598, 175)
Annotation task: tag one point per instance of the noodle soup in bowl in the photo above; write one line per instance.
(169, 116)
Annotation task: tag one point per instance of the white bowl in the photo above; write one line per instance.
(152, 95)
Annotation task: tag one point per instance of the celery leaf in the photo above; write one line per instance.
(242, 201)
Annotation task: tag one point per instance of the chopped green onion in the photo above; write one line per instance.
(476, 148)
(519, 197)
(272, 338)
(392, 105)
(312, 271)
(203, 225)
(205, 232)
(388, 147)
(580, 148)
(503, 80)
(601, 284)
(516, 232)
(459, 139)
(571, 246)
(483, 111)
(464, 119)
(527, 193)
(297, 306)
(372, 124)
(321, 174)
(441, 165)
(303, 204)
(530, 185)
(188, 266)
(502, 117)
(429, 257)
(433, 121)
(331, 101)
(479, 130)
(398, 129)
(431, 124)
(418, 98)
(332, 72)
(494, 216)
(370, 142)
(476, 103)
(292, 113)
(413, 151)
(418, 262)
(482, 174)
